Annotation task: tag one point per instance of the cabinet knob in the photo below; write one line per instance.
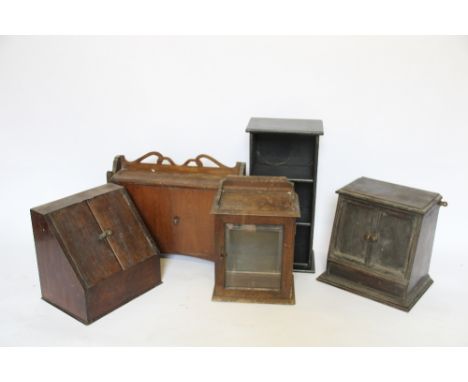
(105, 234)
(175, 220)
(371, 237)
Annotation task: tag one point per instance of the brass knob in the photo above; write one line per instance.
(105, 234)
(371, 237)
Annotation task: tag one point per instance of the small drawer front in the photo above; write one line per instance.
(366, 279)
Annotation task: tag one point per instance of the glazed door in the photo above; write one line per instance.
(355, 223)
(391, 244)
(253, 256)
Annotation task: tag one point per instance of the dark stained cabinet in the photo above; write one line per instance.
(93, 252)
(289, 147)
(382, 241)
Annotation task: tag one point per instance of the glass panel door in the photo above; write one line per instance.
(253, 256)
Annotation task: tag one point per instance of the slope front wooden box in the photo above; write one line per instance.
(381, 243)
(255, 227)
(175, 201)
(94, 253)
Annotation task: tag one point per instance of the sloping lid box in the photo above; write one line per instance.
(392, 195)
(256, 196)
(285, 126)
(80, 221)
(93, 252)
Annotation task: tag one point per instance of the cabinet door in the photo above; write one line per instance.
(80, 234)
(356, 220)
(391, 250)
(128, 238)
(253, 256)
(177, 217)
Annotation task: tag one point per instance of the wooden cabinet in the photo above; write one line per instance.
(175, 201)
(381, 242)
(255, 227)
(289, 147)
(93, 252)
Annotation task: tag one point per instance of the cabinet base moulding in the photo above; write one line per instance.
(401, 303)
(254, 297)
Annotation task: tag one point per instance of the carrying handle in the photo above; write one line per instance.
(161, 158)
(199, 163)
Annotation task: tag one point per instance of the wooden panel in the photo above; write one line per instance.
(367, 279)
(423, 253)
(302, 244)
(79, 233)
(391, 250)
(128, 240)
(290, 155)
(393, 195)
(178, 218)
(59, 283)
(356, 221)
(123, 287)
(305, 192)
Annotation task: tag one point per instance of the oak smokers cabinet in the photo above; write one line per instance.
(289, 147)
(175, 200)
(382, 240)
(93, 252)
(255, 227)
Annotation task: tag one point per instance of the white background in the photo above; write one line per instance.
(394, 108)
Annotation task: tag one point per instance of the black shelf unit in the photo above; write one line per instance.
(289, 147)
